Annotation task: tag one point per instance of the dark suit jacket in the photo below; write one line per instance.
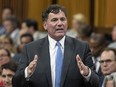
(41, 77)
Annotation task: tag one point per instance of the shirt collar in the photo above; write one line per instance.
(52, 42)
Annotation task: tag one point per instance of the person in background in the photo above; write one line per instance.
(24, 39)
(6, 12)
(97, 44)
(31, 26)
(113, 44)
(110, 80)
(8, 71)
(11, 25)
(85, 33)
(78, 22)
(107, 62)
(4, 58)
(56, 60)
(7, 43)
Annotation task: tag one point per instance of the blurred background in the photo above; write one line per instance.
(100, 14)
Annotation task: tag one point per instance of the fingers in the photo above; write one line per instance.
(32, 65)
(35, 58)
(79, 63)
(84, 70)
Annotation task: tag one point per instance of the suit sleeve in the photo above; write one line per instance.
(94, 79)
(19, 79)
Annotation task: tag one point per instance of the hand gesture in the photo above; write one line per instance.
(32, 65)
(84, 70)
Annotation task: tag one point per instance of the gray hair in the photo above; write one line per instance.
(111, 77)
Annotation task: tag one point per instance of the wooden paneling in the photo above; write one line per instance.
(19, 7)
(104, 10)
(35, 9)
(105, 13)
(110, 12)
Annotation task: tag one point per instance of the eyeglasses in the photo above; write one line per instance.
(108, 61)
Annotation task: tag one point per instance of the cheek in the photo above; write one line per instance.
(52, 25)
(4, 80)
(5, 60)
(51, 28)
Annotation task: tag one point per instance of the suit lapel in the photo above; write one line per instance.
(68, 51)
(46, 58)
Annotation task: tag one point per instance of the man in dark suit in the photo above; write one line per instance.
(39, 66)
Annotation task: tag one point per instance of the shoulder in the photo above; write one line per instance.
(38, 42)
(112, 45)
(75, 41)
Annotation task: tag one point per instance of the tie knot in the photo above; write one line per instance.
(58, 43)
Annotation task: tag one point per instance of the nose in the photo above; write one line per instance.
(7, 80)
(1, 58)
(104, 64)
(59, 23)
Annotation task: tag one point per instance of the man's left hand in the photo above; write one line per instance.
(84, 70)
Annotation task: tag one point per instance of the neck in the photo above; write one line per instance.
(57, 38)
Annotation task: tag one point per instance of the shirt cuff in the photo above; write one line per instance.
(88, 76)
(26, 74)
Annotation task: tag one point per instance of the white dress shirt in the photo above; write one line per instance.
(97, 63)
(53, 51)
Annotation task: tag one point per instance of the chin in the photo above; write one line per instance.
(107, 73)
(60, 34)
(59, 37)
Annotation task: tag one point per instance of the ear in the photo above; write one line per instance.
(45, 25)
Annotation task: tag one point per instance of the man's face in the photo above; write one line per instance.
(4, 58)
(76, 24)
(8, 26)
(6, 13)
(56, 25)
(25, 40)
(108, 62)
(7, 76)
(24, 26)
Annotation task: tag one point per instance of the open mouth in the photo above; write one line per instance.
(59, 29)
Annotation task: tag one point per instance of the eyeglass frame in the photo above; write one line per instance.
(108, 61)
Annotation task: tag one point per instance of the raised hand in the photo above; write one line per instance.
(84, 70)
(32, 65)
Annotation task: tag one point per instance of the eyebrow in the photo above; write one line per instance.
(7, 75)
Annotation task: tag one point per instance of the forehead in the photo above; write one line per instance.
(7, 22)
(7, 10)
(7, 71)
(114, 28)
(24, 24)
(108, 55)
(57, 15)
(26, 38)
(2, 51)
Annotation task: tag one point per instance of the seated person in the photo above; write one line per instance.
(8, 71)
(24, 39)
(110, 80)
(107, 62)
(4, 58)
(113, 34)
